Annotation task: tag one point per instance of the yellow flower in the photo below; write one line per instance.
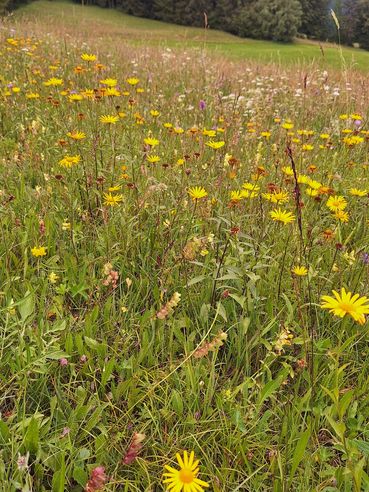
(353, 140)
(197, 192)
(209, 133)
(76, 135)
(32, 95)
(346, 303)
(75, 97)
(132, 81)
(185, 479)
(341, 215)
(336, 202)
(153, 142)
(38, 251)
(300, 271)
(70, 160)
(87, 57)
(53, 278)
(307, 147)
(112, 200)
(324, 136)
(112, 91)
(357, 192)
(287, 170)
(153, 158)
(276, 197)
(283, 216)
(215, 145)
(287, 126)
(250, 186)
(109, 119)
(53, 82)
(109, 82)
(236, 196)
(154, 112)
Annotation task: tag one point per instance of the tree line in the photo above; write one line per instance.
(277, 20)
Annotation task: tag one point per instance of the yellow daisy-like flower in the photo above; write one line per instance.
(70, 160)
(87, 57)
(215, 145)
(347, 303)
(209, 133)
(185, 479)
(153, 142)
(132, 81)
(357, 192)
(276, 197)
(250, 186)
(287, 170)
(76, 135)
(109, 119)
(109, 82)
(307, 147)
(336, 202)
(53, 82)
(153, 158)
(236, 196)
(112, 200)
(112, 92)
(287, 126)
(38, 251)
(75, 97)
(283, 216)
(341, 215)
(197, 192)
(300, 271)
(32, 95)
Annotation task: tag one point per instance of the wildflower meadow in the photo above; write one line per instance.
(184, 267)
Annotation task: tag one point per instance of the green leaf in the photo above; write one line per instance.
(196, 280)
(271, 386)
(107, 372)
(80, 476)
(299, 452)
(222, 312)
(31, 438)
(4, 432)
(26, 306)
(177, 402)
(58, 484)
(91, 343)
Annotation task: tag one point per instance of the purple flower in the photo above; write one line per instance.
(365, 258)
(202, 105)
(63, 361)
(83, 358)
(357, 122)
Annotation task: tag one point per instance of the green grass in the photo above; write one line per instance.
(145, 31)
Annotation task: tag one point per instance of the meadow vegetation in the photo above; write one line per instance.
(184, 265)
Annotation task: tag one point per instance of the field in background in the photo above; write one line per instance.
(170, 219)
(123, 28)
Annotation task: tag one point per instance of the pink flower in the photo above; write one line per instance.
(97, 480)
(63, 361)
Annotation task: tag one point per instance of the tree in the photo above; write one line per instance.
(314, 20)
(361, 27)
(277, 20)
